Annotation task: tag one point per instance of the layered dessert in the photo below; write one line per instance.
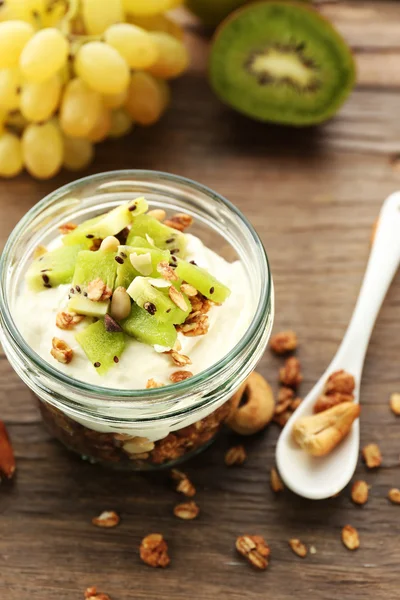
(128, 300)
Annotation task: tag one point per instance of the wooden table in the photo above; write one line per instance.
(313, 196)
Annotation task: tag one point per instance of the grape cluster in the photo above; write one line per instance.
(75, 72)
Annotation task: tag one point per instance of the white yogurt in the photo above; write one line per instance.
(35, 316)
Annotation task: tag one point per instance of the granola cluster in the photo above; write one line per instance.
(154, 551)
(255, 549)
(338, 388)
(197, 321)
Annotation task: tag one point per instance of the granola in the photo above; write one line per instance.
(7, 460)
(91, 593)
(290, 374)
(154, 551)
(255, 549)
(107, 518)
(283, 342)
(276, 482)
(98, 291)
(179, 221)
(67, 320)
(61, 351)
(235, 456)
(298, 547)
(394, 495)
(395, 403)
(186, 510)
(67, 228)
(180, 376)
(350, 537)
(359, 492)
(372, 456)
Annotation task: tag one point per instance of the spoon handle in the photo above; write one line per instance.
(383, 263)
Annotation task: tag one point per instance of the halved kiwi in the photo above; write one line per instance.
(281, 62)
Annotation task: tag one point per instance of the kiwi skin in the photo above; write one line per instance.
(229, 79)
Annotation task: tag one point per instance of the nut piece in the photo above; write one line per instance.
(283, 342)
(394, 496)
(313, 550)
(255, 549)
(286, 405)
(290, 373)
(179, 221)
(179, 359)
(180, 376)
(7, 460)
(120, 304)
(235, 456)
(61, 351)
(157, 213)
(340, 382)
(186, 487)
(319, 434)
(252, 406)
(138, 445)
(395, 403)
(39, 251)
(142, 263)
(177, 298)
(350, 537)
(108, 518)
(67, 320)
(359, 492)
(151, 383)
(189, 290)
(329, 400)
(109, 244)
(276, 482)
(186, 511)
(91, 593)
(97, 290)
(154, 551)
(67, 228)
(298, 547)
(166, 271)
(372, 456)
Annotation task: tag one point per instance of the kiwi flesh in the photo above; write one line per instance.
(103, 348)
(212, 12)
(81, 305)
(203, 281)
(156, 301)
(53, 268)
(142, 326)
(126, 271)
(94, 265)
(164, 237)
(281, 62)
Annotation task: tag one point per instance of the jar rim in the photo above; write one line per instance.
(101, 392)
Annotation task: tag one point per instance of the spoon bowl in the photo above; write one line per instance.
(323, 477)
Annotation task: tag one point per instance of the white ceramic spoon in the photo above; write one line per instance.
(322, 477)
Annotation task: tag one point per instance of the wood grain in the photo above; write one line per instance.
(313, 196)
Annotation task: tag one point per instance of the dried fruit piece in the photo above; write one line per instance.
(107, 518)
(186, 511)
(350, 537)
(154, 551)
(61, 351)
(298, 547)
(290, 374)
(255, 549)
(252, 406)
(395, 403)
(276, 482)
(372, 456)
(283, 342)
(319, 434)
(178, 376)
(359, 492)
(7, 460)
(235, 456)
(394, 495)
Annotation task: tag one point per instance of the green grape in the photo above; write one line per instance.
(102, 126)
(80, 109)
(10, 82)
(102, 68)
(39, 101)
(148, 7)
(121, 123)
(16, 120)
(133, 43)
(97, 16)
(78, 153)
(14, 36)
(158, 23)
(43, 149)
(54, 14)
(115, 100)
(26, 10)
(146, 98)
(10, 155)
(173, 57)
(44, 55)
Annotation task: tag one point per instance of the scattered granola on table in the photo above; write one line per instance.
(290, 374)
(255, 549)
(235, 456)
(154, 551)
(107, 518)
(91, 593)
(298, 547)
(394, 496)
(283, 342)
(350, 537)
(7, 459)
(286, 404)
(184, 485)
(372, 456)
(395, 403)
(359, 492)
(276, 482)
(186, 510)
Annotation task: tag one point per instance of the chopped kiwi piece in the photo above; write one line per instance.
(83, 306)
(142, 326)
(281, 62)
(139, 242)
(94, 265)
(156, 301)
(203, 281)
(53, 268)
(102, 226)
(102, 348)
(164, 237)
(126, 272)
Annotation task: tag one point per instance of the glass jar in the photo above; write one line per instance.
(144, 428)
